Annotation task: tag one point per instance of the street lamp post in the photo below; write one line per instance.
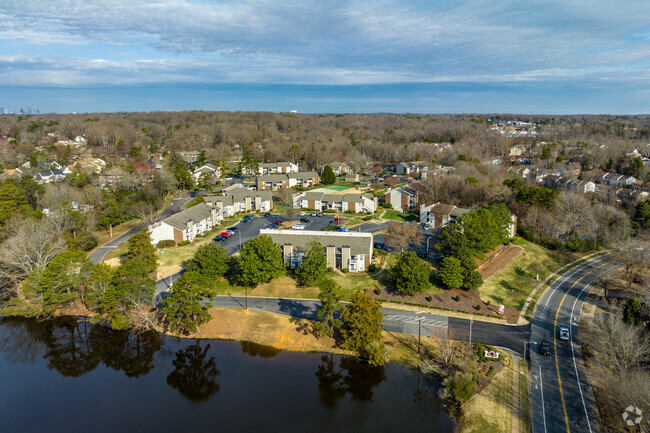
(419, 319)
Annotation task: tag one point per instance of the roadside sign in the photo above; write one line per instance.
(502, 310)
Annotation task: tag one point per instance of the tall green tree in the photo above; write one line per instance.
(99, 280)
(632, 312)
(411, 273)
(140, 248)
(201, 160)
(13, 202)
(62, 280)
(313, 265)
(210, 260)
(131, 287)
(361, 331)
(249, 165)
(450, 272)
(328, 177)
(328, 321)
(260, 261)
(186, 308)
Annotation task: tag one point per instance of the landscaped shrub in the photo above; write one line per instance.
(367, 218)
(478, 307)
(166, 243)
(377, 291)
(344, 270)
(372, 267)
(490, 371)
(457, 298)
(349, 211)
(330, 269)
(488, 303)
(429, 298)
(181, 243)
(329, 211)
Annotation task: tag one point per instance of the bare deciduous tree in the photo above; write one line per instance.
(618, 345)
(32, 247)
(446, 343)
(402, 235)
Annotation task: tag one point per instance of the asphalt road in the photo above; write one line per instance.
(396, 320)
(561, 396)
(100, 253)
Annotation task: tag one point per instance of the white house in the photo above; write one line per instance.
(616, 179)
(186, 225)
(402, 199)
(49, 176)
(412, 167)
(344, 250)
(240, 199)
(318, 200)
(439, 214)
(212, 170)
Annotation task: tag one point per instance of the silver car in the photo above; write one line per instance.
(564, 333)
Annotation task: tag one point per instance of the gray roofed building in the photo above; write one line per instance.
(187, 224)
(241, 199)
(344, 250)
(319, 200)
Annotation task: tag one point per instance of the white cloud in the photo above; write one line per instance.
(310, 41)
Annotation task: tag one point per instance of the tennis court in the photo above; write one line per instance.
(335, 187)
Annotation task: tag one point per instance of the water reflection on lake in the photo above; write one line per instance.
(71, 376)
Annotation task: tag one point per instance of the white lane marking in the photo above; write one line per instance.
(575, 366)
(564, 278)
(541, 388)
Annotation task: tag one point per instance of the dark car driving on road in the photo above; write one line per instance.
(545, 348)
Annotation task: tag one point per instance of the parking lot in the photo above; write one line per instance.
(247, 231)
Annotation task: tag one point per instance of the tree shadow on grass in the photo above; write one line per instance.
(511, 288)
(305, 327)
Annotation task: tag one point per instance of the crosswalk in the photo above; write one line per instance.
(427, 320)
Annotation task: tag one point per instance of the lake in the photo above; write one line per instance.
(68, 375)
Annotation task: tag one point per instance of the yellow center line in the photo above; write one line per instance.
(557, 365)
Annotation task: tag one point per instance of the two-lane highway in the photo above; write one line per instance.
(561, 397)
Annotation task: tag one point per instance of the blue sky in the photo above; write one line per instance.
(431, 56)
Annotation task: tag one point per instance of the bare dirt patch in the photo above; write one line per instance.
(269, 329)
(498, 262)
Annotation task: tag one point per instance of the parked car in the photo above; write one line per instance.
(274, 226)
(320, 214)
(219, 238)
(378, 246)
(314, 214)
(268, 214)
(226, 234)
(303, 213)
(233, 229)
(298, 226)
(545, 348)
(341, 229)
(305, 220)
(422, 255)
(230, 232)
(564, 333)
(277, 221)
(247, 219)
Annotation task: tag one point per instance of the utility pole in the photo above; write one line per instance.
(471, 321)
(110, 227)
(239, 232)
(428, 244)
(419, 319)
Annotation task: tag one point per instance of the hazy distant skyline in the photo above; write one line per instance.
(478, 56)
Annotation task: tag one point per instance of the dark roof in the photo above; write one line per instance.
(359, 243)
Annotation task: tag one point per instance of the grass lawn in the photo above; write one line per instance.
(391, 214)
(491, 410)
(286, 287)
(512, 285)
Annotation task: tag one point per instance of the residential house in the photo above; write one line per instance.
(90, 165)
(516, 150)
(352, 177)
(112, 178)
(318, 200)
(341, 168)
(413, 167)
(615, 179)
(522, 173)
(556, 181)
(344, 250)
(276, 181)
(210, 169)
(12, 173)
(265, 168)
(49, 176)
(521, 159)
(235, 200)
(402, 199)
(186, 225)
(439, 214)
